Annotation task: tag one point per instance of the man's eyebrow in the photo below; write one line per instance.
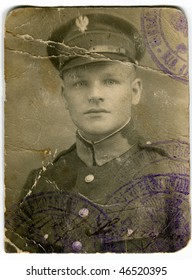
(111, 74)
(76, 76)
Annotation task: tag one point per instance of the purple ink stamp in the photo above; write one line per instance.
(165, 34)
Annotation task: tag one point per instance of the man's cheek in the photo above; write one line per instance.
(125, 99)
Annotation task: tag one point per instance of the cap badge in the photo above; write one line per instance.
(82, 23)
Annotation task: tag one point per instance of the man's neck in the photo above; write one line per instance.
(108, 148)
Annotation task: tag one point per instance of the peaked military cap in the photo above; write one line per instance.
(94, 37)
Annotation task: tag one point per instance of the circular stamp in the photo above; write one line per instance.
(63, 222)
(154, 207)
(166, 38)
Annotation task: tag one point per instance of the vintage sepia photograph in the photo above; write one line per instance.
(96, 130)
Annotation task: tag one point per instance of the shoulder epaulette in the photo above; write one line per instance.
(143, 144)
(65, 152)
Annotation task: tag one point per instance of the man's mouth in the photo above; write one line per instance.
(96, 111)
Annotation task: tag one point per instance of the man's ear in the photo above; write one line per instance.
(64, 97)
(137, 89)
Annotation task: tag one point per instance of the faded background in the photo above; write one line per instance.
(37, 127)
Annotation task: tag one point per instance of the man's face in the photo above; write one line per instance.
(99, 97)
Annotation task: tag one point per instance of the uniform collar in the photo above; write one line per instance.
(113, 146)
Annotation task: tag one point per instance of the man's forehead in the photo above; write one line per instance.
(107, 67)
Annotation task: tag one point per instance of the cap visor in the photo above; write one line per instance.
(82, 60)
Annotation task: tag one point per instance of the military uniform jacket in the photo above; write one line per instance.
(93, 198)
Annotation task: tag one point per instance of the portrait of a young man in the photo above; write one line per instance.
(122, 185)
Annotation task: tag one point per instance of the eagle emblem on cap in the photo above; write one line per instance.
(82, 23)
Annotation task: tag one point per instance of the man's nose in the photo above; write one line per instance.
(95, 93)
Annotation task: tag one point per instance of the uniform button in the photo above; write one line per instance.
(46, 236)
(83, 212)
(148, 142)
(77, 246)
(89, 178)
(129, 231)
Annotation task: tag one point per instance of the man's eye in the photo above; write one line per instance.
(80, 84)
(110, 82)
